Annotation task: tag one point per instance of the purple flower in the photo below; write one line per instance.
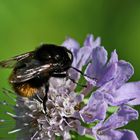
(67, 109)
(99, 68)
(128, 91)
(81, 55)
(107, 130)
(95, 108)
(111, 79)
(59, 119)
(118, 91)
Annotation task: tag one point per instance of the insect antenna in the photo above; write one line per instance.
(76, 82)
(83, 73)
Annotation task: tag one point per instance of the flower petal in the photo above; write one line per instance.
(113, 58)
(99, 56)
(90, 72)
(80, 129)
(125, 71)
(113, 102)
(117, 135)
(120, 118)
(123, 74)
(83, 56)
(74, 46)
(128, 135)
(128, 91)
(95, 69)
(95, 109)
(90, 42)
(71, 44)
(108, 74)
(110, 70)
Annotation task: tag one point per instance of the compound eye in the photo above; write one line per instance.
(70, 55)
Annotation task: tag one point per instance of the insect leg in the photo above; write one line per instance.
(45, 97)
(83, 73)
(63, 75)
(76, 82)
(60, 75)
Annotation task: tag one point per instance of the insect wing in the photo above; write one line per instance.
(25, 75)
(10, 63)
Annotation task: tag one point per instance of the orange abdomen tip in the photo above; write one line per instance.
(25, 89)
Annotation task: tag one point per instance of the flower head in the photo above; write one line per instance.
(111, 78)
(67, 109)
(59, 118)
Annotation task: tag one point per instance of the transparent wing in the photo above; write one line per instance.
(23, 75)
(10, 63)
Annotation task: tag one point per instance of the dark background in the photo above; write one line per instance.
(25, 24)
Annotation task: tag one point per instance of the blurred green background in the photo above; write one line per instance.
(25, 24)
